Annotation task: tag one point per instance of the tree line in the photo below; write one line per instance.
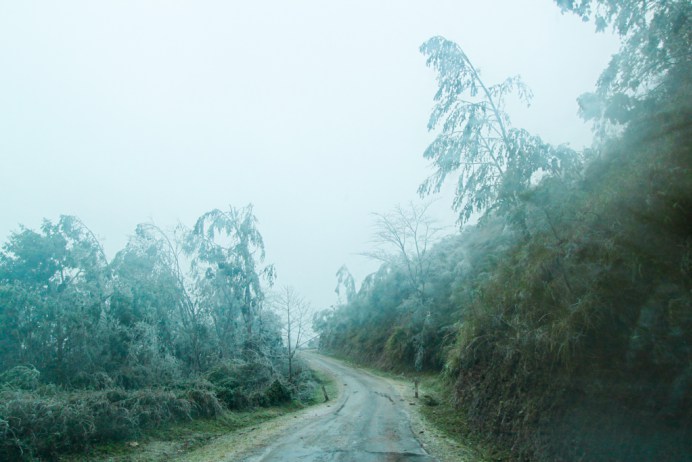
(177, 325)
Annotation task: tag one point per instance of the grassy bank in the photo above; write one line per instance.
(439, 412)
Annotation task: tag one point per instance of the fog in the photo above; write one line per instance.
(313, 111)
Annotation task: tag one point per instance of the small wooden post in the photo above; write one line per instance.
(326, 396)
(416, 381)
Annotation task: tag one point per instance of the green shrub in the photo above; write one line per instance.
(94, 381)
(398, 349)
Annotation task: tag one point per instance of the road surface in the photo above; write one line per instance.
(368, 422)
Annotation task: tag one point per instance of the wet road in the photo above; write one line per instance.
(367, 423)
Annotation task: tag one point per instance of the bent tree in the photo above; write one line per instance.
(227, 250)
(151, 286)
(495, 161)
(345, 284)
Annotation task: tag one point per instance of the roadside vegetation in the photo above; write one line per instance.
(197, 439)
(174, 329)
(561, 320)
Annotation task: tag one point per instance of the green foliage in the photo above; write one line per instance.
(203, 398)
(398, 348)
(54, 279)
(241, 385)
(600, 293)
(277, 393)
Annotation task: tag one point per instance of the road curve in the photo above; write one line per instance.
(368, 422)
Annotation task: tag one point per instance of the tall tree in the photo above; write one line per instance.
(495, 161)
(150, 288)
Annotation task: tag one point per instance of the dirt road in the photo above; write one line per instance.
(368, 422)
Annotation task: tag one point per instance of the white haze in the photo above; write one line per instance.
(130, 111)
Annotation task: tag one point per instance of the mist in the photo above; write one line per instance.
(216, 214)
(313, 112)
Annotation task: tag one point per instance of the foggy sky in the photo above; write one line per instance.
(124, 112)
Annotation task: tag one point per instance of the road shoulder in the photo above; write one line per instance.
(434, 440)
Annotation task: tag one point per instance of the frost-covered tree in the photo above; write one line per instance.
(495, 161)
(227, 250)
(654, 61)
(54, 284)
(345, 284)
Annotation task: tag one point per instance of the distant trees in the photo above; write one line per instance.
(175, 326)
(345, 284)
(295, 314)
(396, 300)
(404, 237)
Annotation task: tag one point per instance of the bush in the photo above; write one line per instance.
(277, 393)
(36, 426)
(399, 348)
(95, 381)
(20, 378)
(242, 385)
(33, 425)
(204, 403)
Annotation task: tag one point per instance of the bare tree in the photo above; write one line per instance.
(295, 314)
(404, 236)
